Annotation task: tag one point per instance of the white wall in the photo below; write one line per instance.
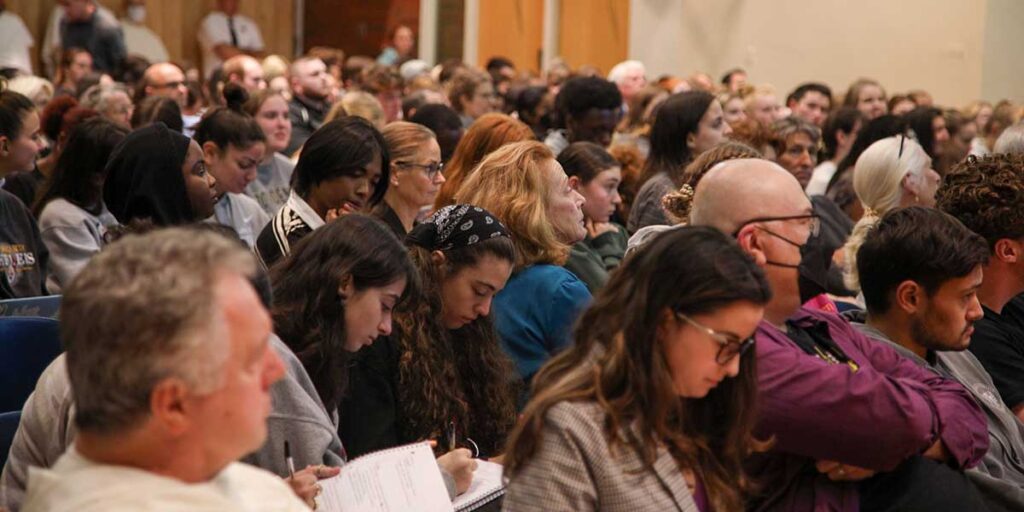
(958, 50)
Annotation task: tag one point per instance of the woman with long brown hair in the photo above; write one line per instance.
(442, 374)
(487, 134)
(652, 407)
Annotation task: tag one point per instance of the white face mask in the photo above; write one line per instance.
(137, 13)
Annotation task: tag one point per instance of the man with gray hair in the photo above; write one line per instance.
(630, 77)
(170, 367)
(855, 426)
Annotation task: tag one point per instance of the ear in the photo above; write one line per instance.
(347, 289)
(210, 150)
(909, 296)
(4, 145)
(1008, 251)
(751, 243)
(909, 184)
(438, 258)
(691, 139)
(575, 183)
(665, 325)
(168, 405)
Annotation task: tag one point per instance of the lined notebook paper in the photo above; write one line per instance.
(404, 478)
(486, 487)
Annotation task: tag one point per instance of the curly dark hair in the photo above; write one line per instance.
(461, 375)
(987, 195)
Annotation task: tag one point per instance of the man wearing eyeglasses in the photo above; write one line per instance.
(163, 79)
(855, 425)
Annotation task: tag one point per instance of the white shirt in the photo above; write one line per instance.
(140, 40)
(15, 40)
(820, 177)
(214, 30)
(76, 483)
(241, 213)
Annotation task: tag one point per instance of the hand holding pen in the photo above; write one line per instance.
(304, 483)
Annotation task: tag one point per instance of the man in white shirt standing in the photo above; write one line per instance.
(170, 366)
(15, 40)
(138, 38)
(224, 33)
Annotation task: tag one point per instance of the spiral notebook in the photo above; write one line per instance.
(405, 478)
(487, 486)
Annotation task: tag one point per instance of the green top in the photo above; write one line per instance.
(593, 258)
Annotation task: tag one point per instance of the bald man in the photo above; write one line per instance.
(855, 425)
(245, 71)
(163, 79)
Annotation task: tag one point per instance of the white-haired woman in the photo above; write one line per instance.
(892, 173)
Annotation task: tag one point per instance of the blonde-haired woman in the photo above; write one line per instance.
(525, 187)
(360, 104)
(415, 175)
(892, 173)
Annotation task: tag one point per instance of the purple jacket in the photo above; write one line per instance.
(887, 411)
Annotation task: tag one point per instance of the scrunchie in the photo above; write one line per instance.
(456, 226)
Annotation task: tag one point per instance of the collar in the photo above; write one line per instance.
(311, 104)
(303, 210)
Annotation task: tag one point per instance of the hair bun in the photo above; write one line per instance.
(234, 96)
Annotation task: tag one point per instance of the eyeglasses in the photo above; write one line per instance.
(814, 222)
(731, 345)
(432, 169)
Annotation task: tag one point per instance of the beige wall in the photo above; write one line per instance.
(958, 50)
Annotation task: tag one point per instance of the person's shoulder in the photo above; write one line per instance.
(580, 414)
(550, 277)
(283, 161)
(60, 211)
(12, 207)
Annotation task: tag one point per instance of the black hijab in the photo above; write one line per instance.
(144, 179)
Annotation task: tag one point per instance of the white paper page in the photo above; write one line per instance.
(405, 478)
(486, 480)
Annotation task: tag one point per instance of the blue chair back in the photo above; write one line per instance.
(8, 426)
(27, 346)
(46, 307)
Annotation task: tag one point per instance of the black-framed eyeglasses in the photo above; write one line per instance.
(432, 169)
(731, 345)
(814, 222)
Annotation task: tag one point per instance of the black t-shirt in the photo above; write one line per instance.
(998, 342)
(25, 185)
(22, 253)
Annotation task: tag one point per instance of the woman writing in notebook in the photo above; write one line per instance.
(442, 374)
(652, 407)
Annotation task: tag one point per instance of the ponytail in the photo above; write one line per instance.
(230, 125)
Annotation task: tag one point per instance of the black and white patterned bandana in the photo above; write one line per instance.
(456, 226)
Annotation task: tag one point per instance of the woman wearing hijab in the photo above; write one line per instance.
(158, 175)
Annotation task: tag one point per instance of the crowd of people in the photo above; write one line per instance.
(633, 292)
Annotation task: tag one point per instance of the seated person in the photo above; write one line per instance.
(920, 271)
(170, 373)
(441, 373)
(334, 295)
(838, 406)
(590, 108)
(344, 167)
(649, 409)
(987, 195)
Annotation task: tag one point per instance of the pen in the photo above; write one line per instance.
(288, 459)
(451, 435)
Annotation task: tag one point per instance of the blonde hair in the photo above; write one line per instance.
(404, 138)
(510, 183)
(749, 97)
(360, 104)
(274, 66)
(878, 181)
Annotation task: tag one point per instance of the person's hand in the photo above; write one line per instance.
(304, 483)
(937, 452)
(460, 464)
(596, 229)
(337, 213)
(843, 472)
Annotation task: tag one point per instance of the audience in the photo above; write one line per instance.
(838, 136)
(140, 40)
(929, 127)
(441, 374)
(23, 256)
(867, 96)
(595, 175)
(310, 86)
(987, 195)
(652, 407)
(811, 102)
(73, 219)
(629, 77)
(163, 79)
(344, 168)
(416, 175)
(75, 65)
(686, 125)
(25, 182)
(589, 109)
(245, 71)
(921, 270)
(471, 94)
(884, 433)
(762, 105)
(527, 190)
(161, 333)
(233, 145)
(111, 101)
(490, 132)
(83, 27)
(273, 175)
(402, 41)
(445, 124)
(224, 33)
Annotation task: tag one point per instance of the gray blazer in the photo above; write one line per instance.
(574, 469)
